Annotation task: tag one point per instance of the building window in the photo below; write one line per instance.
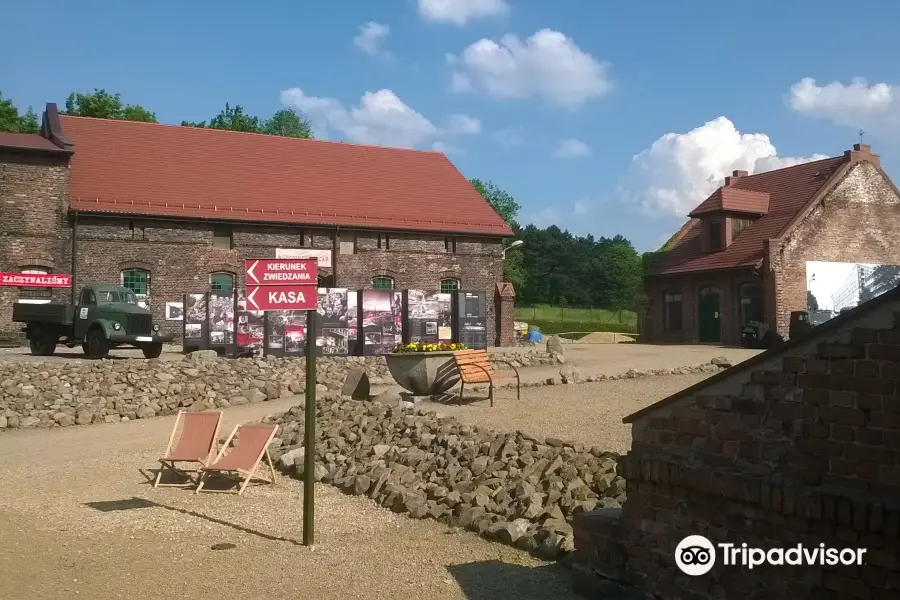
(750, 295)
(715, 236)
(384, 241)
(34, 295)
(221, 283)
(672, 311)
(450, 244)
(448, 286)
(347, 243)
(136, 280)
(382, 283)
(223, 237)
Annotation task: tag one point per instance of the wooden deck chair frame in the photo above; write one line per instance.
(243, 477)
(167, 464)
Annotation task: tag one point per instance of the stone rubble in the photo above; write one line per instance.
(64, 393)
(509, 487)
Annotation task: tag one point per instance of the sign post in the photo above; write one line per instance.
(292, 284)
(309, 438)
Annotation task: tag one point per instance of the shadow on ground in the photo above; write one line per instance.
(489, 580)
(138, 503)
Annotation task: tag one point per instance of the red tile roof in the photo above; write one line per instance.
(27, 141)
(789, 189)
(165, 170)
(731, 199)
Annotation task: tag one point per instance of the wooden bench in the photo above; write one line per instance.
(474, 366)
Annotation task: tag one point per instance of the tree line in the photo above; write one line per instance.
(552, 266)
(101, 104)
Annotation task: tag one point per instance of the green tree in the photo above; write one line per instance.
(103, 105)
(288, 123)
(235, 119)
(505, 205)
(12, 121)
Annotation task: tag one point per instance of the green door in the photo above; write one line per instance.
(708, 318)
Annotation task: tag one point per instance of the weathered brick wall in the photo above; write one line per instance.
(805, 448)
(856, 223)
(33, 196)
(728, 284)
(180, 256)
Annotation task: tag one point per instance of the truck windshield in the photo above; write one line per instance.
(124, 297)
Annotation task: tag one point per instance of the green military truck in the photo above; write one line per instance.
(106, 317)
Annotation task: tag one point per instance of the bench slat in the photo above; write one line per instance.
(474, 366)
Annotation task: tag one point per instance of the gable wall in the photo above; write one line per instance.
(855, 223)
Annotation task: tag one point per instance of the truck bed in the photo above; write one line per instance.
(43, 313)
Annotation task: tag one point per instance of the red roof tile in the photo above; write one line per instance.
(731, 199)
(27, 141)
(789, 190)
(166, 170)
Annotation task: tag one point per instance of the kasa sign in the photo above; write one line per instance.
(282, 284)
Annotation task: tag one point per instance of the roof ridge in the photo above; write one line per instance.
(253, 133)
(797, 166)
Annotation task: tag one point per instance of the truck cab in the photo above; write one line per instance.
(105, 317)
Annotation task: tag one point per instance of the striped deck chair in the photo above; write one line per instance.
(241, 462)
(198, 442)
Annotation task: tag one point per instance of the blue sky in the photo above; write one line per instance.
(566, 105)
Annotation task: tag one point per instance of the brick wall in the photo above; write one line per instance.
(803, 448)
(33, 196)
(855, 224)
(180, 256)
(727, 283)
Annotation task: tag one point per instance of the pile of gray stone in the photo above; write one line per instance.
(81, 392)
(510, 487)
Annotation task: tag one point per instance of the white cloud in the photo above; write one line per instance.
(545, 217)
(547, 65)
(679, 170)
(371, 37)
(510, 138)
(581, 208)
(464, 125)
(572, 149)
(857, 104)
(381, 119)
(460, 12)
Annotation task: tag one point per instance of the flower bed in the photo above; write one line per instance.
(420, 347)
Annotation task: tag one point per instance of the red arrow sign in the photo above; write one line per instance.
(282, 271)
(282, 297)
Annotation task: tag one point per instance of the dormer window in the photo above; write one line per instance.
(714, 231)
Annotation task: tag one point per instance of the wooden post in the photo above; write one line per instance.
(309, 439)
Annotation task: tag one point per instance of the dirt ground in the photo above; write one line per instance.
(590, 413)
(78, 517)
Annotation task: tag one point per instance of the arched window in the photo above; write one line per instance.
(34, 295)
(221, 283)
(672, 311)
(751, 308)
(382, 283)
(449, 286)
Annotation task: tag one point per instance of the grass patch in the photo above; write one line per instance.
(559, 314)
(548, 327)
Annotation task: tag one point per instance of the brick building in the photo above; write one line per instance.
(168, 210)
(798, 445)
(742, 255)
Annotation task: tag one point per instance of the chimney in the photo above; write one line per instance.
(735, 175)
(862, 152)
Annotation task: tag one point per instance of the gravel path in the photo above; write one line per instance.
(590, 412)
(78, 520)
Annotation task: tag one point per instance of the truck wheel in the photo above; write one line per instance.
(42, 343)
(152, 350)
(95, 344)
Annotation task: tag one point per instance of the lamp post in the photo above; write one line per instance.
(513, 245)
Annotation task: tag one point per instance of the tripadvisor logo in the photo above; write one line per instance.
(695, 555)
